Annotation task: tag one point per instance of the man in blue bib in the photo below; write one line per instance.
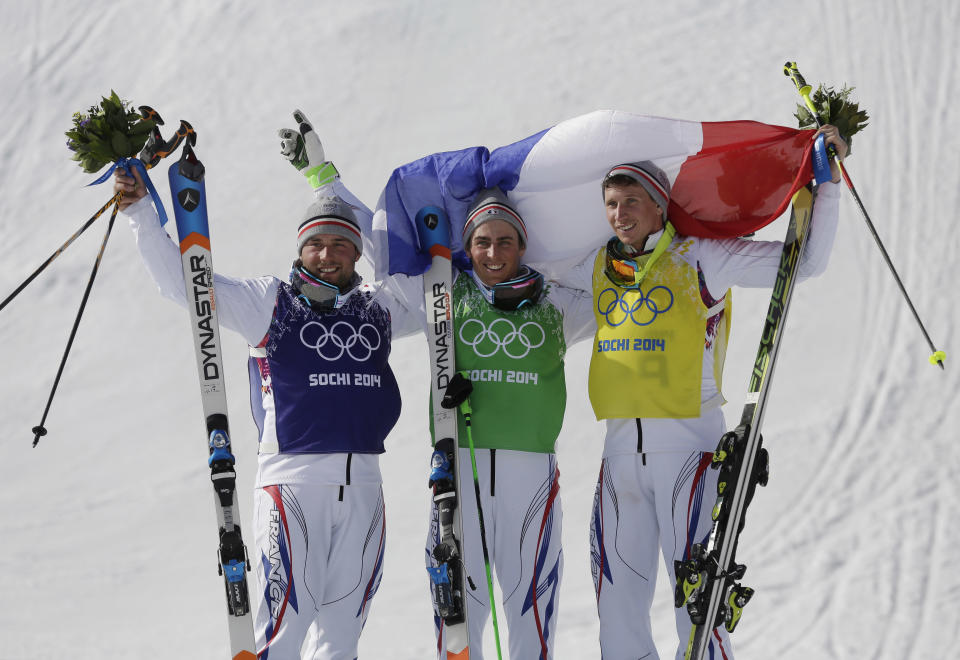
(324, 399)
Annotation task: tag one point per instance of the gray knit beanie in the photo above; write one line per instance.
(491, 204)
(329, 215)
(652, 178)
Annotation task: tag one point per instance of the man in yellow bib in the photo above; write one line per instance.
(662, 307)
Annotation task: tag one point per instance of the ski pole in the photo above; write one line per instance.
(39, 430)
(153, 151)
(113, 200)
(458, 392)
(790, 70)
(156, 147)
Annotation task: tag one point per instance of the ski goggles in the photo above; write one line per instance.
(623, 270)
(523, 290)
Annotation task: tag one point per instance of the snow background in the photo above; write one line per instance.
(107, 536)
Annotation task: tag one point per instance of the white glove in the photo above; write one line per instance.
(303, 149)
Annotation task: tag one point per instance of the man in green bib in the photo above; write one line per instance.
(511, 333)
(661, 302)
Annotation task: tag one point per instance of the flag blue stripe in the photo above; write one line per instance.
(448, 180)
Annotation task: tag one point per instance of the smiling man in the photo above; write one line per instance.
(324, 399)
(662, 305)
(511, 333)
(495, 252)
(330, 256)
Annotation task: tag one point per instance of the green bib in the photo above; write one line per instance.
(515, 361)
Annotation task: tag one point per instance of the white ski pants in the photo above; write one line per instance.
(646, 504)
(317, 561)
(520, 496)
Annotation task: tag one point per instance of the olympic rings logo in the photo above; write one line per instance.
(330, 344)
(503, 335)
(642, 309)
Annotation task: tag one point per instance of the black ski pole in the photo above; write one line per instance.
(790, 70)
(39, 430)
(59, 251)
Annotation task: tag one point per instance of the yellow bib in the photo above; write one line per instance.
(648, 350)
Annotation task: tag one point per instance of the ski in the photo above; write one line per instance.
(448, 571)
(708, 583)
(190, 210)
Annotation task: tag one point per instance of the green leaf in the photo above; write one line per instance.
(100, 151)
(137, 143)
(121, 145)
(106, 133)
(834, 108)
(142, 127)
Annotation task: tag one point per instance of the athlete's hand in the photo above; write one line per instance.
(131, 186)
(301, 147)
(832, 137)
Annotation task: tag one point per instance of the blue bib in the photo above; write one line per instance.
(332, 387)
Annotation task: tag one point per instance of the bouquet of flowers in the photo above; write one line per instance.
(107, 133)
(834, 108)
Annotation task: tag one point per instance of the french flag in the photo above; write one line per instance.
(728, 179)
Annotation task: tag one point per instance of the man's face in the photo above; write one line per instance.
(632, 213)
(331, 258)
(495, 252)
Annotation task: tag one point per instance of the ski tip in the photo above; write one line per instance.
(433, 228)
(245, 655)
(937, 359)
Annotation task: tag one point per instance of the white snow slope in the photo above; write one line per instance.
(107, 539)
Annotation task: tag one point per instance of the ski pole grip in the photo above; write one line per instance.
(156, 147)
(791, 71)
(458, 391)
(148, 113)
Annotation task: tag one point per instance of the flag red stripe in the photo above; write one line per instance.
(741, 180)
